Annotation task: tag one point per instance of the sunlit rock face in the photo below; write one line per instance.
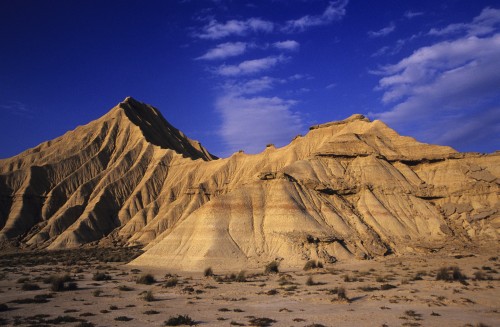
(348, 189)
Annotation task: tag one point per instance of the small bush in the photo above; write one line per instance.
(311, 264)
(241, 277)
(85, 324)
(30, 287)
(208, 272)
(341, 294)
(171, 282)
(385, 287)
(149, 297)
(125, 288)
(263, 322)
(123, 318)
(151, 312)
(180, 320)
(310, 281)
(3, 307)
(479, 275)
(99, 276)
(147, 279)
(23, 280)
(62, 283)
(450, 274)
(272, 267)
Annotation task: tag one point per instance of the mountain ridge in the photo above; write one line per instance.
(354, 187)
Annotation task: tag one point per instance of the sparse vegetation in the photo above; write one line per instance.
(450, 274)
(263, 322)
(123, 318)
(179, 321)
(171, 282)
(313, 264)
(146, 279)
(125, 288)
(97, 293)
(30, 287)
(149, 297)
(100, 276)
(208, 272)
(61, 283)
(272, 268)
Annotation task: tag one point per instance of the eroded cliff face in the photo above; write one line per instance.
(348, 189)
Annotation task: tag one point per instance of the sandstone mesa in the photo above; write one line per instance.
(348, 189)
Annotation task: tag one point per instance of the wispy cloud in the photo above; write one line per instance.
(215, 30)
(249, 123)
(412, 14)
(383, 32)
(250, 66)
(335, 11)
(252, 86)
(225, 50)
(290, 45)
(449, 84)
(17, 108)
(487, 22)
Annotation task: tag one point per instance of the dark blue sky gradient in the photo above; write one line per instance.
(65, 63)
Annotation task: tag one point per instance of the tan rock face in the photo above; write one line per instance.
(348, 189)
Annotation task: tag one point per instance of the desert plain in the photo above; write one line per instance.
(96, 287)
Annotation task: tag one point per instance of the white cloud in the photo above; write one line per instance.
(331, 86)
(225, 50)
(334, 12)
(215, 30)
(383, 32)
(252, 86)
(249, 123)
(250, 66)
(447, 90)
(411, 14)
(290, 45)
(390, 50)
(486, 23)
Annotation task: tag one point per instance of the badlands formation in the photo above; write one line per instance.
(348, 189)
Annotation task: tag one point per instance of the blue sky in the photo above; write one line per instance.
(242, 74)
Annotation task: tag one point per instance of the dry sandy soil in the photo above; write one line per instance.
(390, 291)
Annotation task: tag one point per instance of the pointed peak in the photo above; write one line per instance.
(352, 118)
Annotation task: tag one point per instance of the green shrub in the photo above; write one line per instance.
(123, 318)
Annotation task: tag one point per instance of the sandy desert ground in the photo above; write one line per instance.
(94, 287)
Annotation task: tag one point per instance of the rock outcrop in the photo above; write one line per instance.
(348, 189)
